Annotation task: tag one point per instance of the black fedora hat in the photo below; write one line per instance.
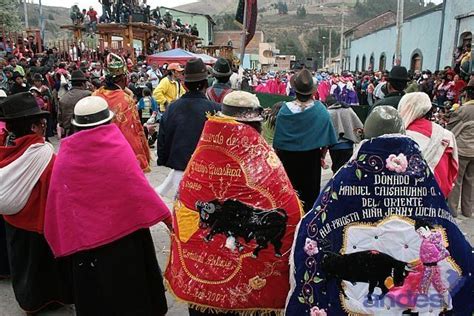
(222, 68)
(398, 73)
(16, 74)
(195, 70)
(303, 82)
(78, 75)
(20, 105)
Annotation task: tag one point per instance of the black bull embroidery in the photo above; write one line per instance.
(236, 219)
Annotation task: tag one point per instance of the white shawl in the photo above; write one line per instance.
(18, 179)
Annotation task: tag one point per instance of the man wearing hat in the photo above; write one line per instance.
(169, 89)
(182, 123)
(396, 84)
(461, 123)
(123, 105)
(19, 85)
(26, 164)
(69, 100)
(303, 127)
(221, 87)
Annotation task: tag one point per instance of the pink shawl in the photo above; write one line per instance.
(98, 193)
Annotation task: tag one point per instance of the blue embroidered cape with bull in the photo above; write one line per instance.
(380, 240)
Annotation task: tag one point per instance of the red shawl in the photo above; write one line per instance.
(233, 167)
(31, 217)
(128, 121)
(98, 193)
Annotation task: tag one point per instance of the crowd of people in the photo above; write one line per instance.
(76, 224)
(120, 11)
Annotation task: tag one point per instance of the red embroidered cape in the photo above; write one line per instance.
(232, 162)
(128, 121)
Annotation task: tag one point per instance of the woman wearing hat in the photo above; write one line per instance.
(19, 85)
(98, 216)
(26, 163)
(303, 128)
(221, 87)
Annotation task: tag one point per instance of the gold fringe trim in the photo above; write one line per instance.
(214, 310)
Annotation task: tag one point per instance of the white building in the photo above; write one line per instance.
(429, 39)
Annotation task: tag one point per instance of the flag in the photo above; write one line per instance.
(252, 13)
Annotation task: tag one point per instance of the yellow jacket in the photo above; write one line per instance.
(166, 92)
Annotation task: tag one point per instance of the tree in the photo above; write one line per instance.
(282, 8)
(301, 11)
(9, 17)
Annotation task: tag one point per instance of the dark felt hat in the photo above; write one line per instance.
(16, 74)
(78, 75)
(222, 68)
(37, 77)
(20, 105)
(303, 82)
(195, 70)
(398, 73)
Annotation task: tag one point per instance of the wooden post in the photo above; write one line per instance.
(146, 44)
(129, 44)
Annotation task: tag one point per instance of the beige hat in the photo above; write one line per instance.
(91, 111)
(242, 106)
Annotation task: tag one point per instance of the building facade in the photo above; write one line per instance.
(429, 39)
(204, 23)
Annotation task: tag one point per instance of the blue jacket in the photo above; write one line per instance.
(180, 129)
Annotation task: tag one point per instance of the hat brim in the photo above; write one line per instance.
(111, 116)
(240, 119)
(313, 89)
(221, 74)
(12, 118)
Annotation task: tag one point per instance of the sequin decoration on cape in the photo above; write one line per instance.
(127, 120)
(234, 221)
(363, 238)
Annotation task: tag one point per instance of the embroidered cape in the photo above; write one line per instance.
(128, 121)
(362, 239)
(234, 221)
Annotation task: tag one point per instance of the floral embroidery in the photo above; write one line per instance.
(315, 311)
(398, 163)
(311, 247)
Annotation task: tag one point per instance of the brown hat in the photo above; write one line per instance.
(470, 86)
(195, 70)
(303, 82)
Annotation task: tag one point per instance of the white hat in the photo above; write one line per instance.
(91, 111)
(3, 94)
(242, 106)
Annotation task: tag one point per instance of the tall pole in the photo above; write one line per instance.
(341, 44)
(398, 46)
(330, 46)
(25, 8)
(41, 21)
(244, 36)
(324, 56)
